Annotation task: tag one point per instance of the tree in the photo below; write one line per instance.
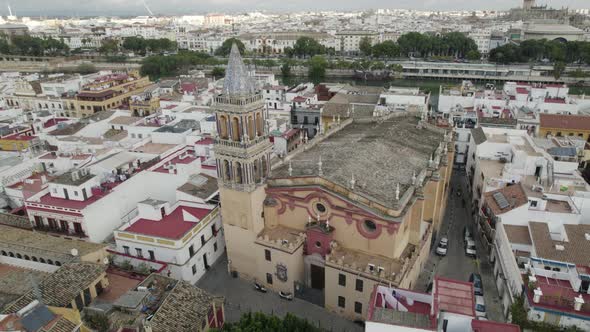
(286, 69)
(109, 46)
(218, 72)
(386, 49)
(261, 322)
(307, 47)
(225, 48)
(317, 67)
(365, 46)
(473, 55)
(558, 69)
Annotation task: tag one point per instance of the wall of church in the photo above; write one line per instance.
(353, 297)
(293, 262)
(295, 206)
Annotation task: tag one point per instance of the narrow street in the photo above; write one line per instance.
(456, 265)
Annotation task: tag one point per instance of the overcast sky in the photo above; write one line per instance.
(135, 7)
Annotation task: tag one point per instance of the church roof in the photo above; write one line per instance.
(237, 78)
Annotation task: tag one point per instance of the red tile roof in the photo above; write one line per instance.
(18, 137)
(176, 160)
(555, 100)
(454, 296)
(490, 326)
(573, 122)
(205, 141)
(52, 122)
(299, 99)
(172, 226)
(522, 91)
(558, 295)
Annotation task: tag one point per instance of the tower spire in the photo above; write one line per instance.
(238, 81)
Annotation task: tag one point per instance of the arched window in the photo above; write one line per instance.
(42, 260)
(4, 253)
(259, 124)
(34, 259)
(49, 261)
(223, 128)
(251, 127)
(235, 127)
(11, 254)
(57, 263)
(239, 173)
(226, 171)
(27, 257)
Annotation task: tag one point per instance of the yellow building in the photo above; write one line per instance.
(354, 207)
(109, 92)
(565, 125)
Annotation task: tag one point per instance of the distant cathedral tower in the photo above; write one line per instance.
(528, 4)
(242, 150)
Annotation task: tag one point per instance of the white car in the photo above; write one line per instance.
(480, 307)
(470, 249)
(441, 249)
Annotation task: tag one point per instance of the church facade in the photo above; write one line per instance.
(355, 207)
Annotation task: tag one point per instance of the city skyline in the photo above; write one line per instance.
(175, 7)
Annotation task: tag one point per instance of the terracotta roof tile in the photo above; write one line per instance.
(576, 250)
(572, 122)
(514, 194)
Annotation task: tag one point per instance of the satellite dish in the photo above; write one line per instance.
(74, 252)
(105, 261)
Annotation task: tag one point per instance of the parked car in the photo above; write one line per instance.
(480, 307)
(259, 287)
(285, 295)
(467, 234)
(441, 249)
(475, 279)
(470, 249)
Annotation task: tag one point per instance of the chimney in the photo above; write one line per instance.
(578, 302)
(537, 293)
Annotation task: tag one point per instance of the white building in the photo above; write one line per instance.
(187, 237)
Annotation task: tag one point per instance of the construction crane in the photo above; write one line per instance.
(147, 8)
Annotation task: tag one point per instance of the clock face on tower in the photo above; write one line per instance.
(282, 272)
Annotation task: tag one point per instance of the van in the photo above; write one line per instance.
(480, 307)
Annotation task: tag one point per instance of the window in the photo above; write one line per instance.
(370, 226)
(75, 192)
(320, 207)
(215, 247)
(214, 229)
(202, 240)
(152, 255)
(126, 250)
(533, 203)
(194, 269)
(267, 255)
(358, 307)
(269, 278)
(359, 285)
(341, 302)
(191, 250)
(341, 279)
(318, 244)
(139, 253)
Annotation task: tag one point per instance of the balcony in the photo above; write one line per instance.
(57, 231)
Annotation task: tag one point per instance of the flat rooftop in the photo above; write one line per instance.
(172, 226)
(71, 180)
(380, 155)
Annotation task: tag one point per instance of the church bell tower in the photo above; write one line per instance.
(242, 150)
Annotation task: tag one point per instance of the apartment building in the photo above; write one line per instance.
(187, 237)
(350, 40)
(108, 92)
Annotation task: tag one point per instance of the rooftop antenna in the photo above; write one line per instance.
(147, 8)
